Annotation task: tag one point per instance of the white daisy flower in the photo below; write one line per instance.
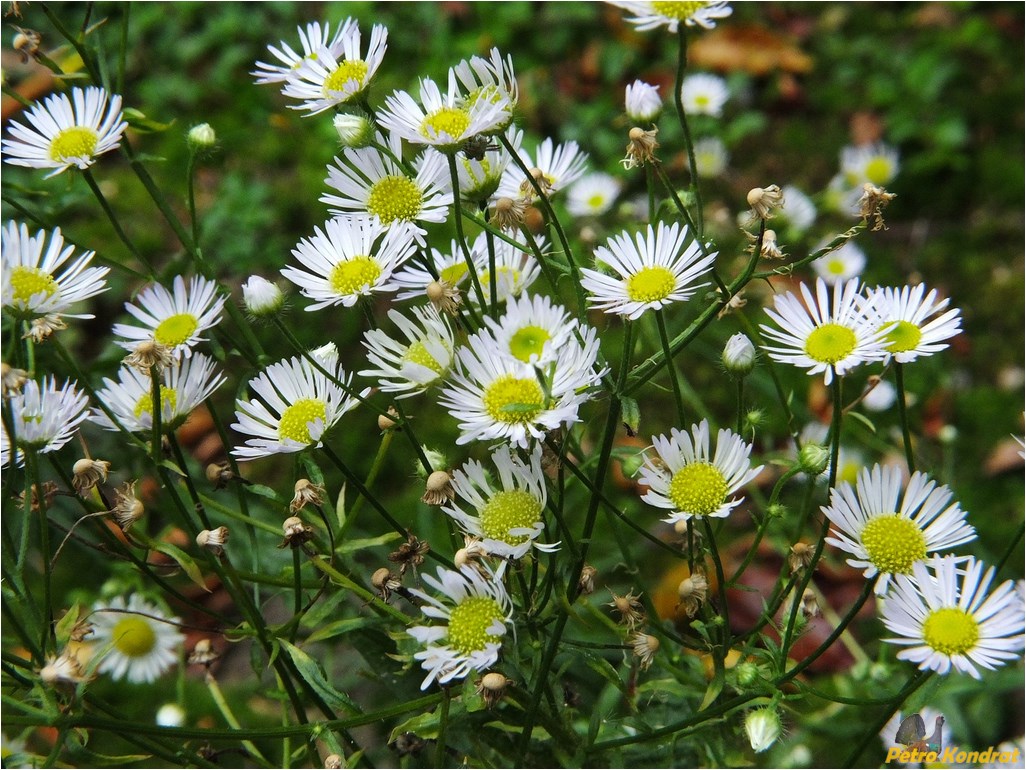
(507, 517)
(689, 480)
(480, 177)
(446, 120)
(138, 640)
(325, 79)
(874, 163)
(842, 264)
(176, 318)
(945, 618)
(798, 212)
(476, 611)
(312, 39)
(652, 15)
(842, 198)
(43, 417)
(592, 195)
(66, 131)
(497, 397)
(711, 157)
(515, 268)
(35, 283)
(490, 80)
(824, 334)
(642, 102)
(350, 258)
(704, 94)
(412, 366)
(369, 182)
(653, 270)
(412, 280)
(560, 165)
(886, 537)
(532, 329)
(297, 404)
(911, 320)
(184, 387)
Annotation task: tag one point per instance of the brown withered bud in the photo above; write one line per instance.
(508, 213)
(645, 647)
(26, 43)
(586, 583)
(296, 533)
(332, 762)
(213, 539)
(444, 296)
(872, 203)
(492, 686)
(799, 557)
(810, 604)
(150, 353)
(438, 488)
(128, 509)
(203, 654)
(641, 147)
(631, 611)
(13, 379)
(388, 421)
(692, 592)
(306, 493)
(408, 744)
(87, 473)
(765, 200)
(409, 554)
(219, 474)
(43, 326)
(49, 492)
(63, 671)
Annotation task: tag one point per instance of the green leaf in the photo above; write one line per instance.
(368, 542)
(261, 491)
(313, 470)
(423, 726)
(66, 624)
(312, 672)
(183, 560)
(340, 507)
(630, 413)
(143, 124)
(338, 628)
(863, 419)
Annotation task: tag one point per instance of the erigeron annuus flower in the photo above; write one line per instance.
(175, 318)
(945, 618)
(842, 264)
(138, 641)
(592, 195)
(798, 212)
(412, 365)
(495, 396)
(443, 120)
(38, 278)
(913, 326)
(476, 611)
(532, 329)
(183, 387)
(367, 182)
(642, 102)
(875, 163)
(711, 157)
(655, 14)
(507, 516)
(66, 131)
(704, 94)
(656, 268)
(480, 176)
(888, 530)
(829, 333)
(560, 165)
(325, 79)
(43, 417)
(515, 269)
(296, 405)
(312, 39)
(413, 279)
(491, 80)
(689, 480)
(350, 258)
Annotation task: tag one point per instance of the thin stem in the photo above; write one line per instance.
(482, 298)
(372, 475)
(682, 63)
(899, 376)
(105, 205)
(155, 434)
(443, 723)
(671, 367)
(190, 180)
(872, 734)
(226, 711)
(740, 404)
(32, 465)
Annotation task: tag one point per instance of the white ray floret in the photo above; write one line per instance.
(652, 15)
(560, 165)
(592, 195)
(842, 264)
(412, 365)
(138, 640)
(916, 325)
(490, 79)
(312, 40)
(874, 163)
(43, 417)
(704, 94)
(176, 318)
(532, 329)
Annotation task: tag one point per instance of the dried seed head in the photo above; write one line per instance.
(26, 43)
(213, 539)
(296, 532)
(586, 583)
(128, 509)
(150, 353)
(770, 248)
(203, 654)
(736, 302)
(509, 213)
(332, 762)
(692, 592)
(219, 474)
(492, 686)
(641, 147)
(800, 556)
(764, 200)
(13, 379)
(438, 488)
(810, 605)
(409, 554)
(872, 203)
(306, 493)
(388, 421)
(527, 190)
(472, 552)
(43, 326)
(87, 473)
(408, 744)
(631, 611)
(645, 648)
(444, 296)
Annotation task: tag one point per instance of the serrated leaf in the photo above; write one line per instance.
(183, 560)
(312, 672)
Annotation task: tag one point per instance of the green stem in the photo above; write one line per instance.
(872, 734)
(682, 63)
(155, 432)
(482, 298)
(671, 367)
(190, 180)
(740, 404)
(350, 585)
(443, 723)
(105, 205)
(372, 475)
(226, 711)
(32, 466)
(899, 375)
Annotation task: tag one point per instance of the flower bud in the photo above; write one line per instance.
(201, 137)
(746, 673)
(642, 101)
(261, 297)
(739, 356)
(170, 715)
(813, 459)
(762, 727)
(355, 130)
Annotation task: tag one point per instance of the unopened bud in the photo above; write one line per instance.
(261, 297)
(762, 727)
(739, 356)
(202, 137)
(170, 715)
(355, 130)
(746, 673)
(813, 459)
(388, 421)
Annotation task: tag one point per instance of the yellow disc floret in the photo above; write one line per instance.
(395, 197)
(176, 329)
(295, 420)
(354, 275)
(830, 343)
(903, 337)
(651, 284)
(448, 121)
(469, 623)
(417, 353)
(528, 341)
(168, 397)
(893, 543)
(698, 488)
(514, 400)
(507, 510)
(349, 70)
(73, 142)
(133, 637)
(29, 281)
(679, 11)
(951, 631)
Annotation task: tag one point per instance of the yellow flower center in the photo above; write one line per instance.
(453, 274)
(133, 637)
(349, 70)
(353, 275)
(951, 631)
(830, 343)
(596, 201)
(451, 121)
(175, 329)
(698, 488)
(679, 11)
(904, 336)
(168, 397)
(489, 93)
(893, 543)
(295, 420)
(395, 197)
(417, 353)
(528, 341)
(836, 266)
(702, 100)
(514, 400)
(651, 284)
(512, 509)
(29, 281)
(73, 142)
(506, 278)
(469, 622)
(879, 171)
